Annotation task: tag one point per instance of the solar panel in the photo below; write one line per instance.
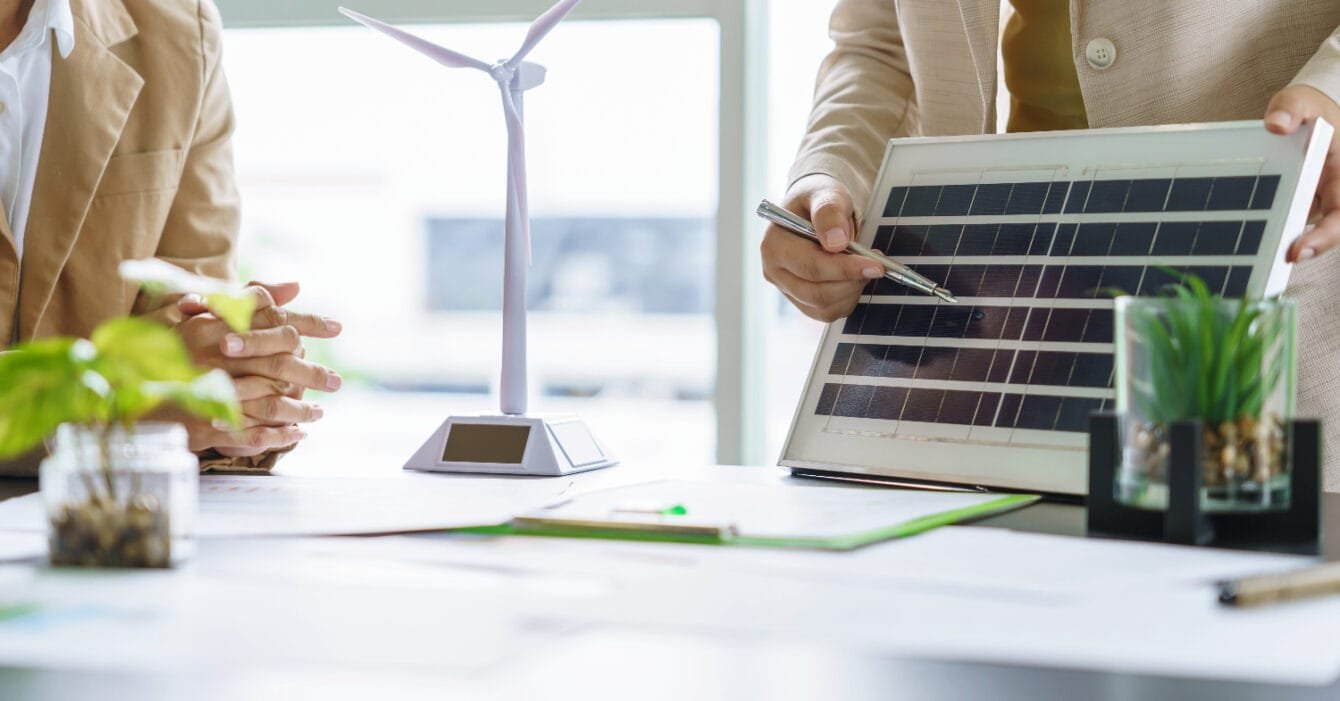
(1032, 233)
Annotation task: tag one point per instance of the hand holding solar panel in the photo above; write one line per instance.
(1030, 231)
(1292, 108)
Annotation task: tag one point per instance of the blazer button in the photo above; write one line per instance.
(1101, 53)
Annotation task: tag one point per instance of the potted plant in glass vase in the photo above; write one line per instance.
(1229, 364)
(120, 490)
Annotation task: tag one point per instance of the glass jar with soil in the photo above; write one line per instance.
(120, 496)
(1228, 364)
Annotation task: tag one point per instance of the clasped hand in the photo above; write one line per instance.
(268, 367)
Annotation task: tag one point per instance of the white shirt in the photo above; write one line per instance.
(25, 85)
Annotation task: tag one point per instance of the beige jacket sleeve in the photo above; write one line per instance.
(201, 230)
(200, 233)
(1322, 71)
(863, 97)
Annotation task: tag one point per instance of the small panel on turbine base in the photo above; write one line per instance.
(488, 443)
(511, 445)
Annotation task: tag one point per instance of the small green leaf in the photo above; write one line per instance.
(229, 301)
(235, 310)
(45, 383)
(132, 350)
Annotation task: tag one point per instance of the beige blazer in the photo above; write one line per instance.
(136, 161)
(928, 67)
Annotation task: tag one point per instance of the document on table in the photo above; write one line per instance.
(831, 518)
(232, 506)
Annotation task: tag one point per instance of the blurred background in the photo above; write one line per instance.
(376, 178)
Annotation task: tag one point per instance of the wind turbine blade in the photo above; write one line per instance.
(516, 162)
(541, 27)
(442, 55)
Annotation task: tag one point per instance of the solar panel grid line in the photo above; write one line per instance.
(980, 344)
(1075, 218)
(964, 302)
(1236, 239)
(1178, 194)
(1059, 280)
(1003, 323)
(1059, 367)
(1012, 409)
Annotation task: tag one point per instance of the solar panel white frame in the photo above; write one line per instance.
(1239, 157)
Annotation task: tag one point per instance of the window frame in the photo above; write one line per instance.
(741, 299)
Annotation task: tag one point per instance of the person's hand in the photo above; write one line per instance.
(823, 283)
(268, 367)
(1289, 109)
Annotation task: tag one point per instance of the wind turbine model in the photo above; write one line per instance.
(512, 442)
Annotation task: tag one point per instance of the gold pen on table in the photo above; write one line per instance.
(1304, 583)
(893, 270)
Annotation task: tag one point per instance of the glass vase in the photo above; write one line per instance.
(1228, 364)
(118, 497)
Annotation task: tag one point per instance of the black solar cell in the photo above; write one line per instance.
(1133, 239)
(1107, 196)
(1147, 195)
(885, 403)
(1231, 193)
(1093, 239)
(893, 206)
(958, 408)
(1186, 194)
(1013, 239)
(954, 200)
(977, 239)
(1250, 241)
(1027, 198)
(1042, 240)
(1057, 194)
(1189, 194)
(1039, 412)
(942, 240)
(923, 404)
(1175, 238)
(1217, 238)
(1079, 194)
(1264, 195)
(991, 199)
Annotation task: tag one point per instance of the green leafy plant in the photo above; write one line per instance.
(128, 368)
(1203, 364)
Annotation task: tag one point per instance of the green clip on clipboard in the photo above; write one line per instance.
(824, 518)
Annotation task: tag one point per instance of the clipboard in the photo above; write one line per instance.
(816, 518)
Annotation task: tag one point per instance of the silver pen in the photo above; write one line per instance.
(893, 270)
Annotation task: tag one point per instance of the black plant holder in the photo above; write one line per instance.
(1294, 530)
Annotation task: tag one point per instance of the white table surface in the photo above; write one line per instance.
(459, 616)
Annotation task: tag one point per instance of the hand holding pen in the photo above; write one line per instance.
(822, 285)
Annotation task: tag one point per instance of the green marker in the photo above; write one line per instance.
(672, 510)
